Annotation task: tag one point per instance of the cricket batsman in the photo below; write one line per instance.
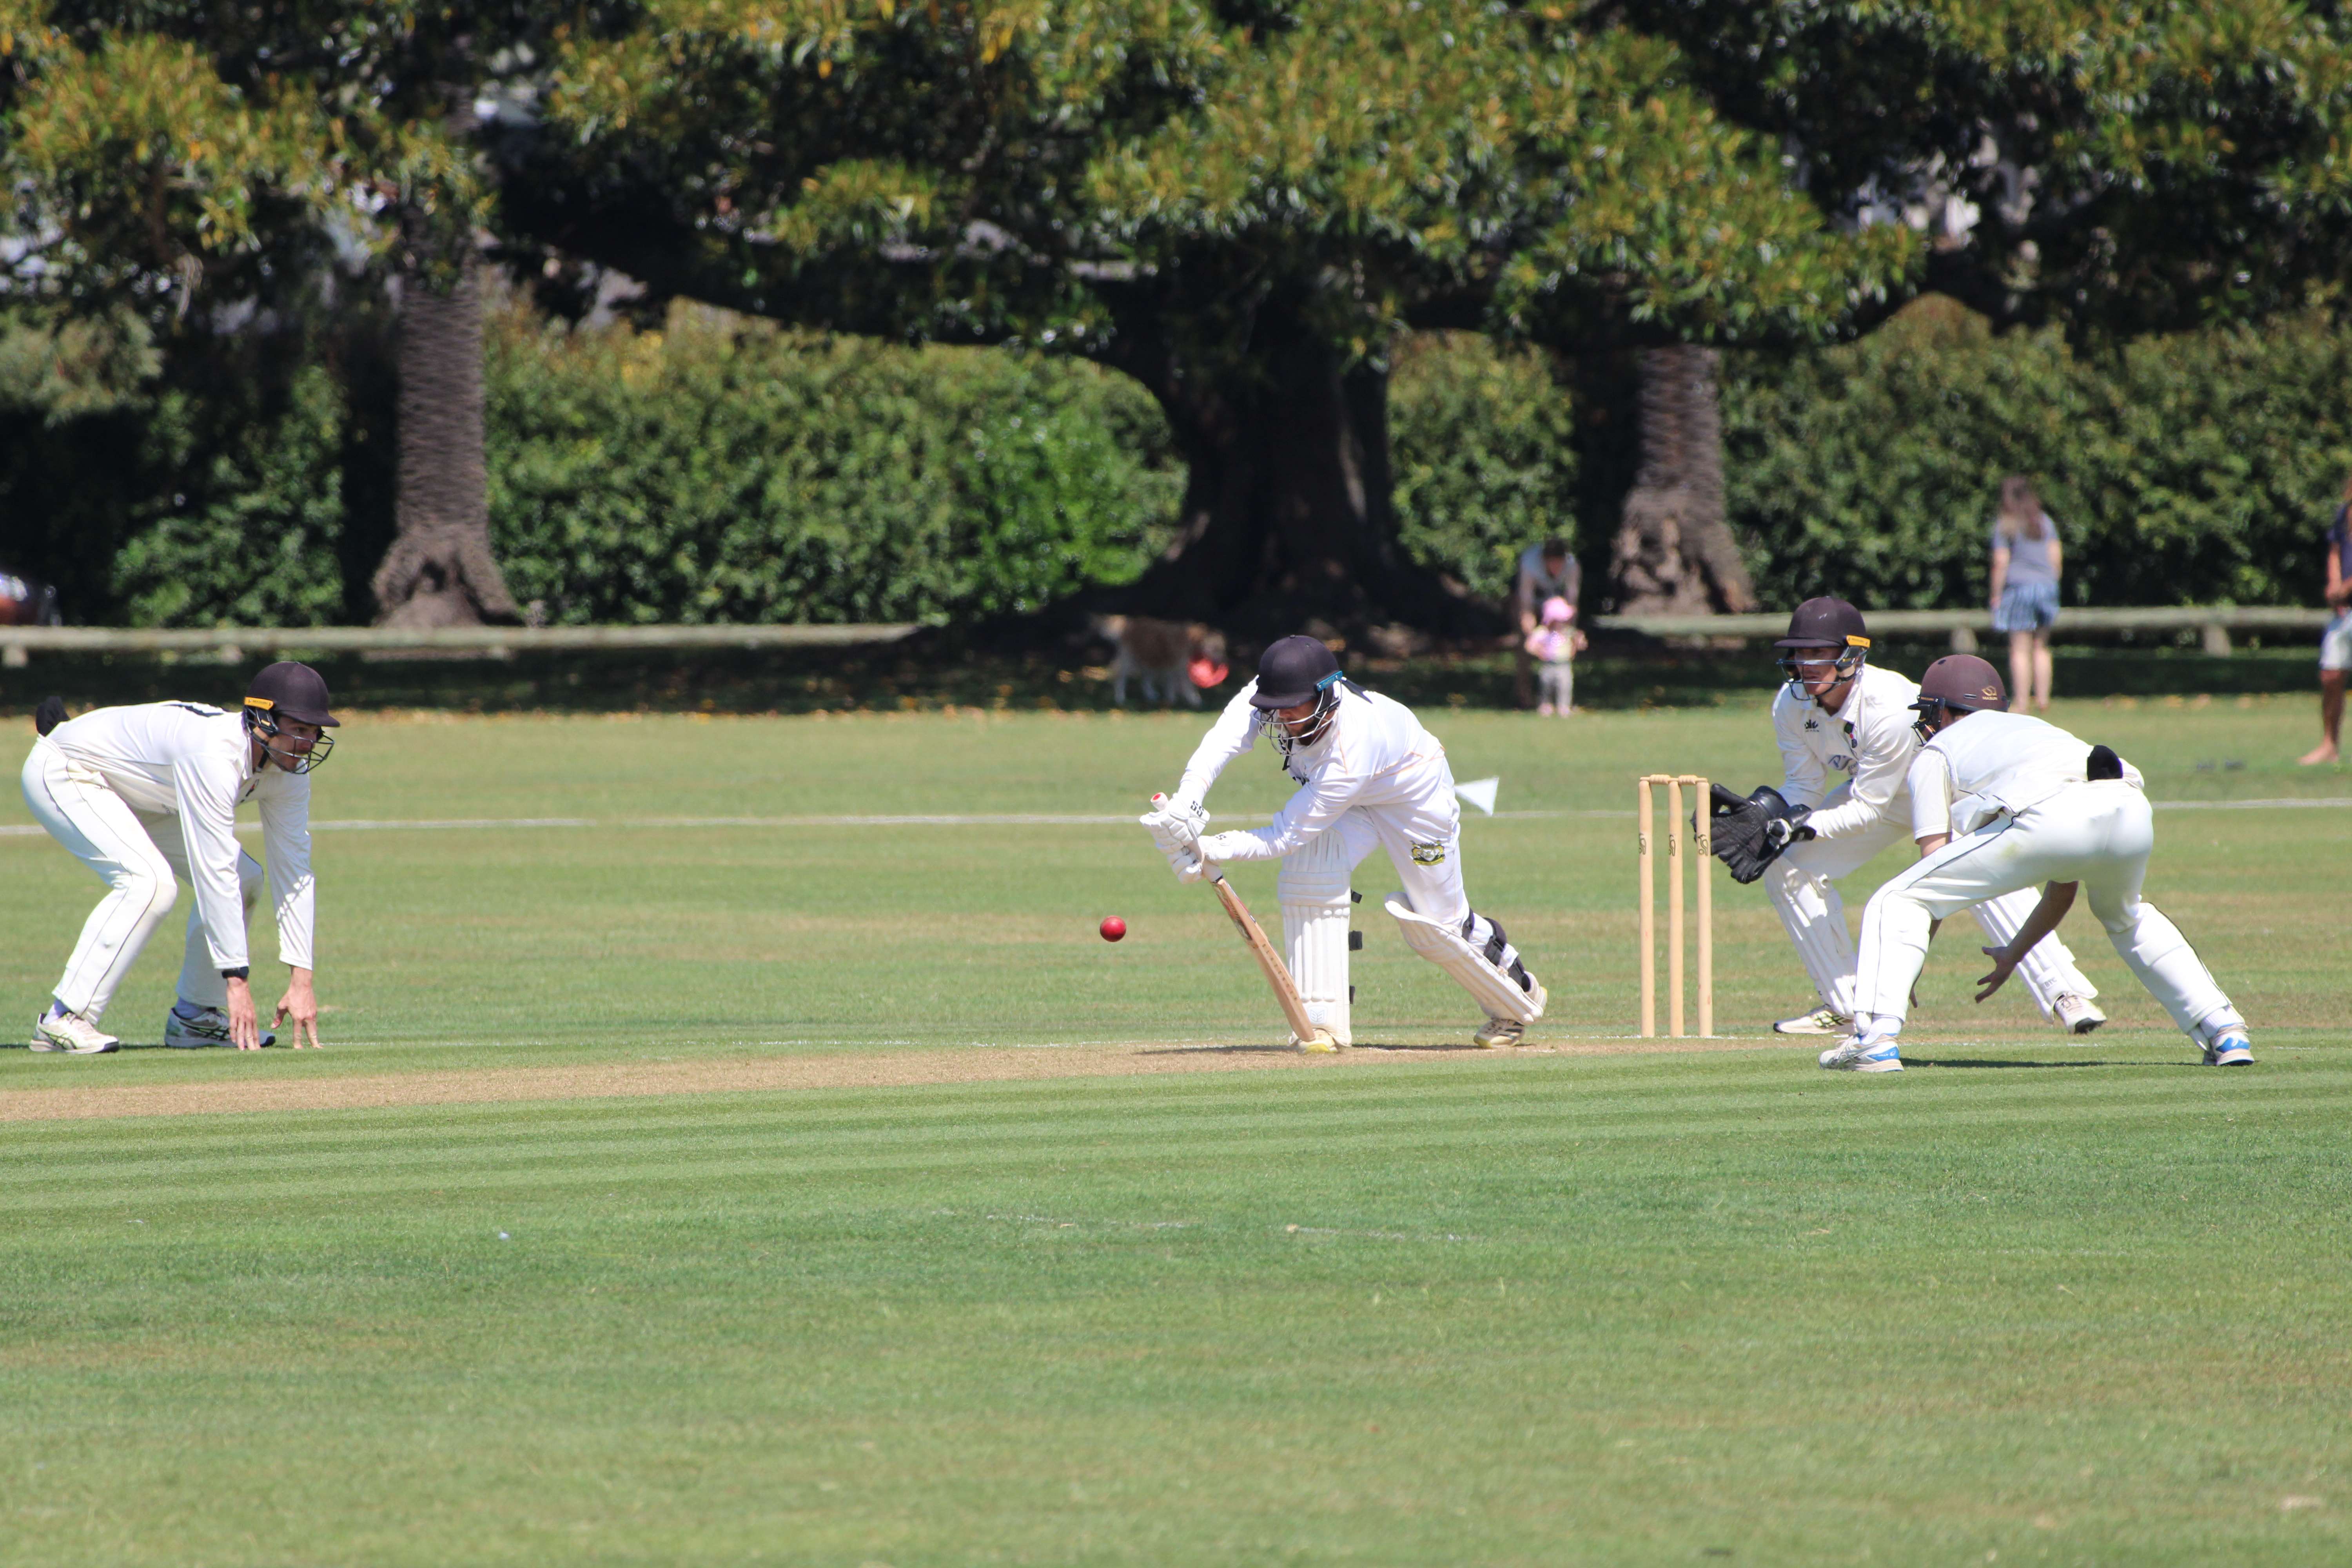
(2001, 802)
(148, 794)
(1370, 777)
(1839, 714)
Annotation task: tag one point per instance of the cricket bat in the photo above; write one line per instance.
(1277, 974)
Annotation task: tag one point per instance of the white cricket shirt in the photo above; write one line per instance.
(1375, 753)
(1869, 739)
(1987, 763)
(194, 763)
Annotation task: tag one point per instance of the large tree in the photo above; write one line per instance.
(2118, 168)
(1240, 206)
(201, 168)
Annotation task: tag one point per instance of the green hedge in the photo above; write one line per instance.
(724, 471)
(1481, 444)
(2196, 469)
(720, 470)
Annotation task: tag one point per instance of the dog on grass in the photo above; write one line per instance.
(1168, 659)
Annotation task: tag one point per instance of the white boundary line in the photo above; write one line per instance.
(1008, 819)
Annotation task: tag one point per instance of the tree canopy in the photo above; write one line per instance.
(1239, 202)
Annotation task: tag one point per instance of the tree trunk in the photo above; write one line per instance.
(1674, 553)
(1286, 511)
(439, 570)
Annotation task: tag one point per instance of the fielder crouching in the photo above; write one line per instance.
(2001, 802)
(1370, 777)
(149, 793)
(1839, 714)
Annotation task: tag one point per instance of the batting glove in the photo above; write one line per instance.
(1234, 846)
(1175, 828)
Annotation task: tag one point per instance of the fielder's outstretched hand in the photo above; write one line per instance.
(2003, 967)
(244, 1029)
(300, 1003)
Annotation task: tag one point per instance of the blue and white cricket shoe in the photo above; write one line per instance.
(1857, 1055)
(2230, 1049)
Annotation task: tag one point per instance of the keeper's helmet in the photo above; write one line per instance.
(290, 691)
(1293, 671)
(1825, 627)
(1958, 683)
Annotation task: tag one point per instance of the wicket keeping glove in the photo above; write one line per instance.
(1749, 832)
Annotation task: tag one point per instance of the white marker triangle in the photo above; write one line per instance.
(1479, 793)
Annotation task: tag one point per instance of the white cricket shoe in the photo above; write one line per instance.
(2077, 1015)
(1499, 1033)
(71, 1032)
(1323, 1045)
(190, 1027)
(1855, 1054)
(1819, 1021)
(2230, 1049)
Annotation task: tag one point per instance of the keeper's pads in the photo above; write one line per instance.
(1749, 832)
(1495, 990)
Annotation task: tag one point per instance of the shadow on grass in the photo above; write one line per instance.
(1911, 1061)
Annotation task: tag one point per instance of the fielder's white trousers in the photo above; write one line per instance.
(138, 855)
(2099, 835)
(1802, 884)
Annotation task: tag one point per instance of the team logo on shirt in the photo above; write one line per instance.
(1429, 854)
(1812, 724)
(1843, 765)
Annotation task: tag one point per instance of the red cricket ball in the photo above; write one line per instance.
(1113, 928)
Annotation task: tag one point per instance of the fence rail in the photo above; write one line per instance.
(234, 644)
(2214, 622)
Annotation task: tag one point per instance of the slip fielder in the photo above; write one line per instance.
(2001, 802)
(149, 793)
(1839, 714)
(1370, 777)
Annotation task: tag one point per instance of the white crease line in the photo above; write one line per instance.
(2246, 805)
(1010, 819)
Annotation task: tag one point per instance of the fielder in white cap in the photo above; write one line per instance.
(1839, 714)
(2000, 803)
(147, 795)
(1370, 777)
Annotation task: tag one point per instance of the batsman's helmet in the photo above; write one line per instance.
(1292, 671)
(290, 690)
(1823, 625)
(1958, 683)
(1295, 670)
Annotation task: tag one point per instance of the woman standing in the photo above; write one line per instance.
(2025, 566)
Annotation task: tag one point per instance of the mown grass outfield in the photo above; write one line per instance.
(803, 1191)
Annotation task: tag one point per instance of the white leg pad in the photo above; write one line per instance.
(1446, 947)
(1312, 887)
(1815, 917)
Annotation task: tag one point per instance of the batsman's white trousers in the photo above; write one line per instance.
(138, 855)
(2099, 835)
(1803, 887)
(1424, 844)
